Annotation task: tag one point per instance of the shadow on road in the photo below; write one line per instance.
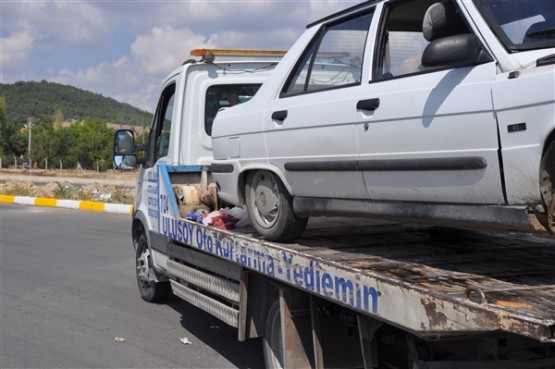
(218, 335)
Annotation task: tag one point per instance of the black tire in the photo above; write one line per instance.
(272, 342)
(547, 185)
(150, 290)
(270, 208)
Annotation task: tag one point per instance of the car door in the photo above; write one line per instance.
(427, 133)
(310, 130)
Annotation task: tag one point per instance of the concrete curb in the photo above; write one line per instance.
(68, 204)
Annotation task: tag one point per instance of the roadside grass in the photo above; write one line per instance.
(123, 196)
(19, 189)
(64, 191)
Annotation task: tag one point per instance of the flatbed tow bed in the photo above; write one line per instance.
(437, 284)
(455, 282)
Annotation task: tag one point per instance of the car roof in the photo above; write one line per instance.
(405, 21)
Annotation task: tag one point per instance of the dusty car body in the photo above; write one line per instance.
(441, 112)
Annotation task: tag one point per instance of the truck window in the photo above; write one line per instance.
(402, 40)
(333, 59)
(224, 96)
(160, 132)
(163, 141)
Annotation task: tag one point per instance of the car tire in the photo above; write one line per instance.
(547, 185)
(151, 290)
(272, 341)
(270, 208)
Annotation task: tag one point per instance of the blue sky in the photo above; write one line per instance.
(123, 49)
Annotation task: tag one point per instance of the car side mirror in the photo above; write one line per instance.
(125, 155)
(454, 51)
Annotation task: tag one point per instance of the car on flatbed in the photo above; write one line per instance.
(417, 110)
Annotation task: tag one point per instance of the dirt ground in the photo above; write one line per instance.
(69, 184)
(70, 173)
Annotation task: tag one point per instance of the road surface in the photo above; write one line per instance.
(68, 289)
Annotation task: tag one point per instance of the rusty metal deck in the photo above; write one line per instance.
(431, 281)
(503, 274)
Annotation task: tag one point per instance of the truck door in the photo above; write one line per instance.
(428, 133)
(157, 154)
(310, 129)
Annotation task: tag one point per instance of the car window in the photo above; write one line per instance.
(521, 25)
(403, 39)
(224, 96)
(333, 58)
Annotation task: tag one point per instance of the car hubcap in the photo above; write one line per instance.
(266, 199)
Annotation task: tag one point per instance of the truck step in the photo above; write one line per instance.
(227, 289)
(221, 311)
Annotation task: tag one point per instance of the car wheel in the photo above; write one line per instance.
(547, 186)
(270, 208)
(273, 347)
(150, 290)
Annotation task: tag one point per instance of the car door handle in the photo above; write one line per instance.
(370, 104)
(279, 115)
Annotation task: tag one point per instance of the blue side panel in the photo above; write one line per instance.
(186, 168)
(163, 170)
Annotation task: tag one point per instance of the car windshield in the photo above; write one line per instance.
(521, 25)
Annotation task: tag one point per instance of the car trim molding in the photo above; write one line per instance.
(389, 165)
(221, 168)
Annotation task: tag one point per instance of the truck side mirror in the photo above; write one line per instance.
(454, 51)
(125, 156)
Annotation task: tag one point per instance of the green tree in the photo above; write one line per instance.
(13, 142)
(49, 143)
(58, 119)
(47, 99)
(92, 144)
(41, 149)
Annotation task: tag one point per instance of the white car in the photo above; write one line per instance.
(418, 110)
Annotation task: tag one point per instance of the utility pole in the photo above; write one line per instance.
(30, 128)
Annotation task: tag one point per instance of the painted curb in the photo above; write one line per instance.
(68, 204)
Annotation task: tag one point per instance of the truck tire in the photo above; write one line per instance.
(273, 347)
(547, 185)
(270, 208)
(150, 290)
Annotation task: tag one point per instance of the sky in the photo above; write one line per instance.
(125, 48)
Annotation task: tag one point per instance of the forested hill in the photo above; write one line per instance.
(38, 99)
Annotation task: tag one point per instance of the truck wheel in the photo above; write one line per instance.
(273, 349)
(270, 208)
(150, 290)
(547, 186)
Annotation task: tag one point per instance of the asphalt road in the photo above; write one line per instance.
(68, 289)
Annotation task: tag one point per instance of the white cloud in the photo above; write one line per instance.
(58, 21)
(135, 79)
(165, 48)
(15, 49)
(145, 98)
(100, 77)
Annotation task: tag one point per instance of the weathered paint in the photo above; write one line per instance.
(423, 280)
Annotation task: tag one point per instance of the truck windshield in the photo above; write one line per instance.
(521, 25)
(224, 96)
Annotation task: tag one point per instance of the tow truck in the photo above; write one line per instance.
(349, 293)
